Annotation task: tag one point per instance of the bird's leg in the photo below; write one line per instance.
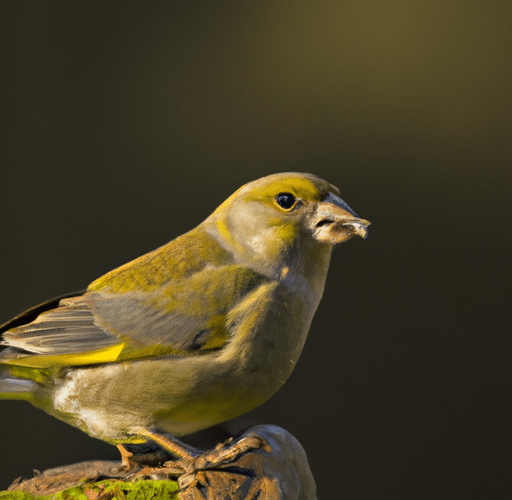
(155, 457)
(126, 457)
(221, 455)
(226, 452)
(171, 444)
(194, 460)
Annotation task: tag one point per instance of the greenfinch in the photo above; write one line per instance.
(196, 332)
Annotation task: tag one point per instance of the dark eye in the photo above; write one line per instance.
(285, 200)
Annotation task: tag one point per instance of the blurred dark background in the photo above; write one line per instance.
(124, 124)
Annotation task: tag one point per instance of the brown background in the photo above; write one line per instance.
(127, 123)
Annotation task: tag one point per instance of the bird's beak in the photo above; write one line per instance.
(333, 221)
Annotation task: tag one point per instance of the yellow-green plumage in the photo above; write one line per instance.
(196, 332)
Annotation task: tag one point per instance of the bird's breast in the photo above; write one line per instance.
(269, 328)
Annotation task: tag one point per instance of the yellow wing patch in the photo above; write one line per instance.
(105, 355)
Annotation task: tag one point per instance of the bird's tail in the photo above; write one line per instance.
(15, 387)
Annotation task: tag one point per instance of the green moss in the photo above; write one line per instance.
(108, 489)
(139, 490)
(16, 495)
(75, 493)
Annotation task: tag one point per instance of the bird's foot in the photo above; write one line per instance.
(218, 458)
(193, 468)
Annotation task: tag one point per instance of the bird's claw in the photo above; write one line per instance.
(225, 453)
(221, 455)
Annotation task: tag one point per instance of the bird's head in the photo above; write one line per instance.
(284, 216)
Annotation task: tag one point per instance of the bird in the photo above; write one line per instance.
(197, 332)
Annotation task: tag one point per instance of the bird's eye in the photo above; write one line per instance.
(285, 200)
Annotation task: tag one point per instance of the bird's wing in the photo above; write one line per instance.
(62, 328)
(179, 318)
(186, 315)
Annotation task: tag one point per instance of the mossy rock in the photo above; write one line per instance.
(106, 490)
